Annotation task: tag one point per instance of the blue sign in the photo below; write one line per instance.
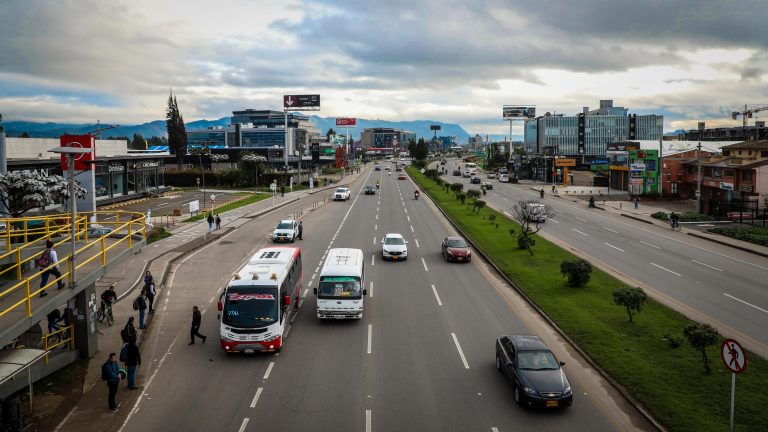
(601, 162)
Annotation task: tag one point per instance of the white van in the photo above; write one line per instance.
(503, 178)
(341, 288)
(537, 212)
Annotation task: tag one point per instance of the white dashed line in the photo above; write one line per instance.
(584, 234)
(408, 217)
(648, 244)
(374, 239)
(370, 336)
(269, 370)
(425, 264)
(583, 220)
(461, 353)
(245, 423)
(706, 265)
(256, 398)
(306, 291)
(370, 291)
(212, 299)
(367, 420)
(434, 290)
(610, 245)
(663, 268)
(372, 257)
(552, 220)
(417, 242)
(608, 229)
(412, 228)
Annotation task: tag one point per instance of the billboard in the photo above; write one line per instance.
(565, 162)
(82, 161)
(301, 102)
(517, 111)
(346, 121)
(623, 147)
(434, 127)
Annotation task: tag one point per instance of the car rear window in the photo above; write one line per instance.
(457, 243)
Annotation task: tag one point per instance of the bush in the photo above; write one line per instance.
(157, 233)
(474, 194)
(577, 270)
(660, 215)
(756, 235)
(419, 163)
(462, 197)
(631, 298)
(695, 217)
(672, 342)
(525, 242)
(700, 336)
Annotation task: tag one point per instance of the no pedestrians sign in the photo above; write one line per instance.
(733, 356)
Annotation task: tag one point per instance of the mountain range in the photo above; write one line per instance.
(157, 128)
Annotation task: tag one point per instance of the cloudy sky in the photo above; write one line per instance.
(448, 60)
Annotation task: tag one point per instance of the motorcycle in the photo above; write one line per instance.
(416, 195)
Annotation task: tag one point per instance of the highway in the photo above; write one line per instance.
(704, 280)
(422, 357)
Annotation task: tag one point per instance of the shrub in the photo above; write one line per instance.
(695, 217)
(756, 235)
(672, 342)
(660, 215)
(157, 233)
(478, 205)
(473, 193)
(701, 336)
(492, 218)
(419, 163)
(525, 242)
(462, 197)
(631, 298)
(577, 270)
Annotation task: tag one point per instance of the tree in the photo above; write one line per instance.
(529, 214)
(462, 197)
(701, 336)
(252, 165)
(478, 205)
(456, 189)
(421, 150)
(21, 191)
(630, 298)
(138, 142)
(577, 270)
(411, 147)
(473, 194)
(157, 141)
(177, 133)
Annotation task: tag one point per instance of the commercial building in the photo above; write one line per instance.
(585, 135)
(757, 132)
(386, 138)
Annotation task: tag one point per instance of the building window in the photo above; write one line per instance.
(728, 173)
(680, 177)
(669, 177)
(746, 176)
(673, 188)
(764, 154)
(726, 152)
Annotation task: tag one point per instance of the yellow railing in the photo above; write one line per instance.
(64, 339)
(126, 223)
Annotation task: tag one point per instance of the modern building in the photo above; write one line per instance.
(757, 132)
(585, 135)
(386, 138)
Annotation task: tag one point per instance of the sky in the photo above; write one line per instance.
(454, 61)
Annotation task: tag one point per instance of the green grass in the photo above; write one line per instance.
(231, 206)
(157, 234)
(671, 383)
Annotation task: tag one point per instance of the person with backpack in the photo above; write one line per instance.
(210, 222)
(109, 373)
(218, 222)
(132, 362)
(48, 257)
(140, 304)
(128, 333)
(149, 290)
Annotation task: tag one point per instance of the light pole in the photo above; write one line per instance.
(70, 153)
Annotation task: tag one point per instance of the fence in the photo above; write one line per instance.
(742, 211)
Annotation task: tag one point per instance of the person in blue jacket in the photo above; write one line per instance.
(109, 373)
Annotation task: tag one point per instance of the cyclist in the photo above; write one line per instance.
(108, 297)
(377, 184)
(674, 220)
(53, 320)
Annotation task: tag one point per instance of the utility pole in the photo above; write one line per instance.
(698, 176)
(660, 180)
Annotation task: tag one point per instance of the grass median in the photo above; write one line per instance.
(670, 382)
(250, 199)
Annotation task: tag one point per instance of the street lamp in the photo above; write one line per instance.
(70, 153)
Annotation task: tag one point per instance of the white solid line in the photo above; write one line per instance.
(461, 353)
(608, 244)
(255, 399)
(212, 299)
(425, 264)
(653, 246)
(367, 420)
(372, 257)
(748, 304)
(245, 423)
(584, 234)
(608, 229)
(583, 220)
(370, 336)
(417, 242)
(370, 291)
(412, 228)
(269, 370)
(305, 293)
(706, 265)
(434, 290)
(654, 264)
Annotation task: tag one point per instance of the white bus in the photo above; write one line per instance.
(341, 288)
(471, 167)
(261, 301)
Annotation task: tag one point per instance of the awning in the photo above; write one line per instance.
(13, 361)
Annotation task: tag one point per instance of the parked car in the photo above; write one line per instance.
(487, 185)
(95, 230)
(533, 371)
(370, 190)
(394, 247)
(491, 175)
(341, 194)
(456, 249)
(503, 178)
(401, 176)
(286, 231)
(457, 173)
(476, 180)
(503, 170)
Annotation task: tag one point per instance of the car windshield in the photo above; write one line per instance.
(285, 225)
(537, 360)
(340, 190)
(457, 243)
(394, 241)
(369, 187)
(250, 307)
(339, 288)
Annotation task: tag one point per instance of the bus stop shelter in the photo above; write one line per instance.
(14, 362)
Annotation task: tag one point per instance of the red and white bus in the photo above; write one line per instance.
(261, 300)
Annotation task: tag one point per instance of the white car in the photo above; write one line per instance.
(394, 247)
(503, 178)
(341, 194)
(286, 231)
(536, 212)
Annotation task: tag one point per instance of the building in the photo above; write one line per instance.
(386, 138)
(585, 135)
(475, 141)
(757, 132)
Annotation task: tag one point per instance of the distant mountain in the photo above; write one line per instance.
(420, 127)
(675, 132)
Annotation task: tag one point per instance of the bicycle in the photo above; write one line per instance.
(57, 337)
(105, 314)
(674, 225)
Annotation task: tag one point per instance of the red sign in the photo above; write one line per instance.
(733, 356)
(346, 121)
(82, 161)
(238, 297)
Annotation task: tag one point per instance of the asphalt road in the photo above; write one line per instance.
(422, 357)
(707, 281)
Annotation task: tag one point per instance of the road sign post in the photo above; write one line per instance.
(736, 361)
(273, 188)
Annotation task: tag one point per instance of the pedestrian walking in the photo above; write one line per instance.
(141, 304)
(132, 362)
(218, 222)
(301, 229)
(282, 191)
(128, 333)
(542, 192)
(210, 222)
(109, 373)
(637, 202)
(49, 257)
(149, 289)
(553, 189)
(197, 319)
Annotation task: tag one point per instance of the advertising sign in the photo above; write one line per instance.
(599, 167)
(637, 167)
(621, 147)
(301, 102)
(434, 127)
(346, 121)
(82, 161)
(726, 186)
(636, 180)
(565, 162)
(517, 112)
(601, 162)
(194, 206)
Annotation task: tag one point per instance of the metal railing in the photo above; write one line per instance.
(92, 247)
(64, 339)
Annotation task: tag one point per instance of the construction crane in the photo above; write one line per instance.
(747, 113)
(100, 129)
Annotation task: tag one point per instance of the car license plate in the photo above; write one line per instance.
(250, 351)
(394, 257)
(551, 404)
(460, 258)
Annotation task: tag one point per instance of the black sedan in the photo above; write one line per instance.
(457, 173)
(533, 371)
(370, 190)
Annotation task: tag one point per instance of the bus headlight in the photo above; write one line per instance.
(271, 338)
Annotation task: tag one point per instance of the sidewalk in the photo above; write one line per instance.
(128, 278)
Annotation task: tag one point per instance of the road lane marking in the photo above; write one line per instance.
(461, 353)
(417, 242)
(376, 227)
(434, 290)
(425, 264)
(245, 423)
(313, 277)
(367, 420)
(584, 234)
(374, 239)
(377, 217)
(370, 291)
(748, 304)
(318, 267)
(608, 229)
(706, 265)
(269, 370)
(618, 249)
(370, 336)
(494, 429)
(648, 244)
(306, 291)
(408, 217)
(509, 215)
(412, 228)
(212, 299)
(552, 220)
(372, 257)
(583, 220)
(256, 396)
(656, 265)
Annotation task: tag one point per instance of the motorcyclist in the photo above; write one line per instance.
(416, 194)
(592, 202)
(482, 188)
(674, 219)
(377, 184)
(541, 193)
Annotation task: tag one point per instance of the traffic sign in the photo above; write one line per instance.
(301, 102)
(273, 186)
(423, 170)
(733, 356)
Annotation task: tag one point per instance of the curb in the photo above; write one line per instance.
(622, 391)
(724, 243)
(637, 218)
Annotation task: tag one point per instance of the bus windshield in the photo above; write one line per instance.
(250, 307)
(339, 288)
